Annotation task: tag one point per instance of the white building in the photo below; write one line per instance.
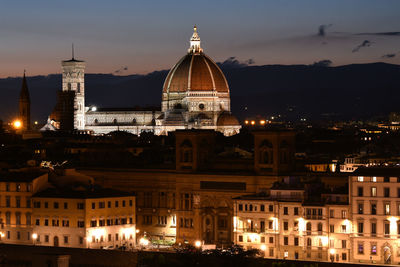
(375, 207)
(195, 95)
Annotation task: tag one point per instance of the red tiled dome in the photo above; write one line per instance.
(195, 72)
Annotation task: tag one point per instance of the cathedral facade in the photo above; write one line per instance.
(195, 95)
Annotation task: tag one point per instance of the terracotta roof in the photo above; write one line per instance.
(195, 72)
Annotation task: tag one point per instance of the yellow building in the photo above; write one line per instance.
(93, 218)
(16, 189)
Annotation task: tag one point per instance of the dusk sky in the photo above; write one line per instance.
(152, 35)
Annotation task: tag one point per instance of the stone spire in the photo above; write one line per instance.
(25, 105)
(195, 42)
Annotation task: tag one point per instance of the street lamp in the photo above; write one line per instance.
(34, 237)
(17, 124)
(88, 239)
(197, 244)
(332, 253)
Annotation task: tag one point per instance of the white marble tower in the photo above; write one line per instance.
(73, 79)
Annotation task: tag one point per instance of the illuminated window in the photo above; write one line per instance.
(373, 249)
(373, 179)
(360, 179)
(373, 191)
(387, 209)
(360, 248)
(344, 214)
(360, 208)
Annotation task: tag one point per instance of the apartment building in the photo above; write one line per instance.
(375, 207)
(93, 218)
(16, 190)
(285, 224)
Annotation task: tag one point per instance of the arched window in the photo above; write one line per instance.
(308, 227)
(319, 227)
(134, 121)
(115, 121)
(96, 121)
(266, 152)
(79, 88)
(8, 217)
(284, 149)
(69, 86)
(186, 151)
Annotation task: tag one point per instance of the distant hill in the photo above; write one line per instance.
(349, 92)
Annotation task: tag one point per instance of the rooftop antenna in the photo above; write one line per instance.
(73, 52)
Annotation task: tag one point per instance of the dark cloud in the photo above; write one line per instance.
(322, 63)
(389, 56)
(322, 29)
(232, 62)
(380, 33)
(365, 43)
(120, 70)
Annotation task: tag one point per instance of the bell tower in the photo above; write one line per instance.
(25, 105)
(73, 79)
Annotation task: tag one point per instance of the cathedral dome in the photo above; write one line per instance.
(227, 119)
(195, 72)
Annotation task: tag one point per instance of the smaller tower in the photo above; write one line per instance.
(25, 105)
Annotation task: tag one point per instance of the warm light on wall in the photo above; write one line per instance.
(302, 225)
(393, 225)
(97, 233)
(144, 242)
(263, 247)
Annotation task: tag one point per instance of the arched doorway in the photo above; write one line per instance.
(387, 255)
(56, 241)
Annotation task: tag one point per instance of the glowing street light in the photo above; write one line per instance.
(262, 122)
(137, 231)
(34, 236)
(17, 124)
(197, 244)
(263, 247)
(143, 241)
(332, 253)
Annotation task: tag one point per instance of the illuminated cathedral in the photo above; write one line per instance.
(195, 95)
